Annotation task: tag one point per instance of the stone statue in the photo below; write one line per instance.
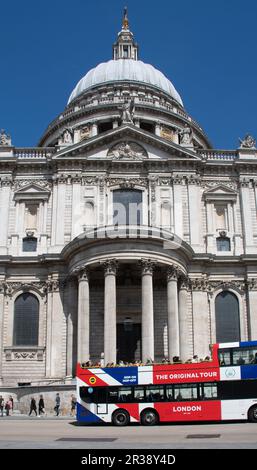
(84, 133)
(5, 140)
(186, 135)
(66, 138)
(127, 111)
(248, 142)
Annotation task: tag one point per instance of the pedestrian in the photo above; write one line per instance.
(7, 408)
(57, 404)
(73, 405)
(11, 403)
(11, 399)
(33, 406)
(1, 405)
(41, 406)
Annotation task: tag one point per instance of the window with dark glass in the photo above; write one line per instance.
(119, 395)
(127, 207)
(223, 244)
(29, 244)
(185, 392)
(227, 318)
(104, 127)
(147, 126)
(154, 393)
(26, 320)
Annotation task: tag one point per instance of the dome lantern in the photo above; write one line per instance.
(125, 47)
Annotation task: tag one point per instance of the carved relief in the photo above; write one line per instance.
(11, 287)
(127, 151)
(44, 184)
(14, 354)
(167, 133)
(127, 182)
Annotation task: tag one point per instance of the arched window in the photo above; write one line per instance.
(127, 207)
(26, 320)
(227, 318)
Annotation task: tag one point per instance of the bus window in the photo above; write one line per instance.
(93, 395)
(224, 357)
(119, 395)
(154, 394)
(185, 392)
(169, 393)
(139, 394)
(209, 391)
(244, 356)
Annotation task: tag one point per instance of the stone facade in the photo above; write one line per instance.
(94, 282)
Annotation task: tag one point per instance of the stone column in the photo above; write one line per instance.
(252, 308)
(71, 304)
(60, 229)
(76, 207)
(185, 350)
(246, 206)
(49, 327)
(178, 206)
(83, 316)
(195, 213)
(201, 317)
(55, 366)
(147, 267)
(2, 290)
(4, 214)
(110, 328)
(94, 129)
(172, 307)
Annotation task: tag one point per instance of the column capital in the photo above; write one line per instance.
(172, 273)
(183, 282)
(110, 267)
(83, 275)
(147, 266)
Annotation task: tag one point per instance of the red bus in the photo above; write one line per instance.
(224, 388)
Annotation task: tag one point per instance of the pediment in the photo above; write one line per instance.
(31, 192)
(220, 192)
(99, 146)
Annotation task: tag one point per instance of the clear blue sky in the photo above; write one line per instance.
(207, 48)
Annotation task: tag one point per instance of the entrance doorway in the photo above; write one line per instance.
(128, 341)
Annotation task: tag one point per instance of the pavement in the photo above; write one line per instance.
(65, 433)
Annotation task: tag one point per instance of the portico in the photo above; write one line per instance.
(104, 285)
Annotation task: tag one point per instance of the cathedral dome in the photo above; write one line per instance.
(125, 70)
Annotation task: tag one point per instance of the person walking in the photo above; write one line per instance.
(33, 406)
(41, 406)
(1, 405)
(73, 405)
(57, 404)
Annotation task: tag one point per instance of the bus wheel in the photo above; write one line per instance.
(252, 414)
(120, 418)
(149, 417)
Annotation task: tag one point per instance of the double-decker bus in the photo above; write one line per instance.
(224, 388)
